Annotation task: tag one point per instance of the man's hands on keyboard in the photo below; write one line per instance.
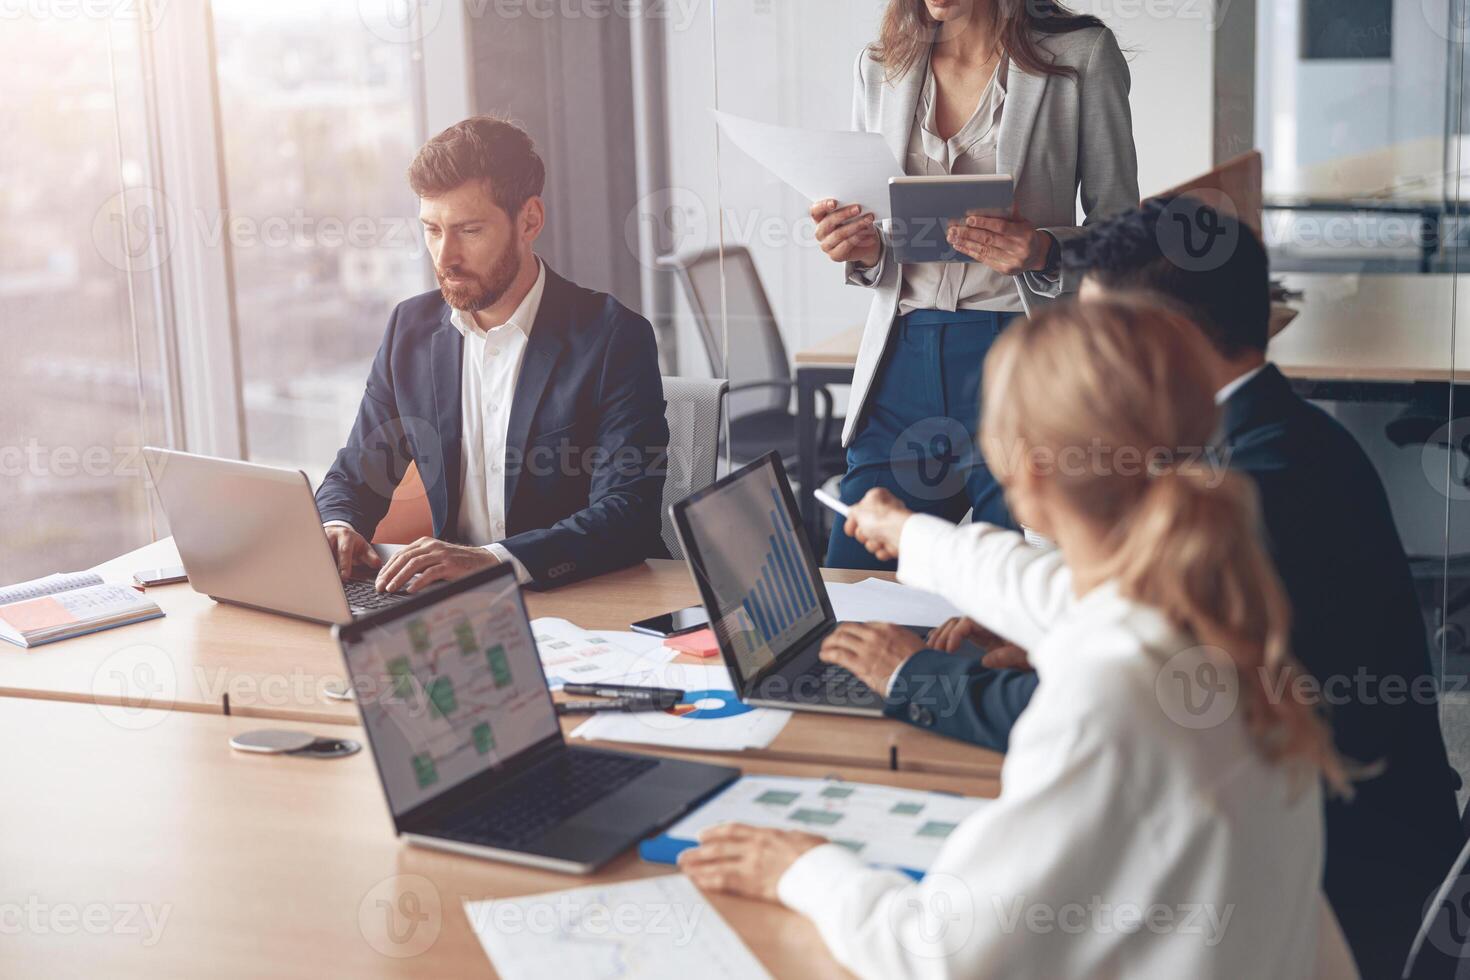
(872, 651)
(429, 560)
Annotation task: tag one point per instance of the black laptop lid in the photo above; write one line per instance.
(450, 688)
(754, 568)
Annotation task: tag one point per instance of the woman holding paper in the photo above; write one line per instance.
(1018, 87)
(1160, 812)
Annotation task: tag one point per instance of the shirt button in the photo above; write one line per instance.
(494, 467)
(491, 407)
(495, 352)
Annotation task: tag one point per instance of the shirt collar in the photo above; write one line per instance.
(1223, 395)
(524, 317)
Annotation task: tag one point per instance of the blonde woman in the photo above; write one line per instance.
(1026, 88)
(1160, 812)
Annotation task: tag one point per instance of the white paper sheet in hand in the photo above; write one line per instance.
(718, 722)
(877, 601)
(570, 653)
(655, 928)
(853, 168)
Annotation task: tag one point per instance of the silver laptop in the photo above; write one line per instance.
(468, 747)
(764, 593)
(251, 535)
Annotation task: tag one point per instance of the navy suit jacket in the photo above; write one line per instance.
(587, 445)
(1332, 536)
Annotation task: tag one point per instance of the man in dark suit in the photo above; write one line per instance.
(1357, 625)
(533, 408)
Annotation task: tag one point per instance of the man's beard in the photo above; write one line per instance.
(479, 292)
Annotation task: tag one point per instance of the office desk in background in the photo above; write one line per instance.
(212, 658)
(271, 865)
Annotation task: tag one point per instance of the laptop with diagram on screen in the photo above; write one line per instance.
(468, 746)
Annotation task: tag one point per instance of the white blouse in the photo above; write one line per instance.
(972, 150)
(1128, 840)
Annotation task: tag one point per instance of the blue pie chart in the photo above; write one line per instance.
(729, 705)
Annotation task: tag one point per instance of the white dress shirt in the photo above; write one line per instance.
(1223, 395)
(1128, 840)
(972, 150)
(491, 365)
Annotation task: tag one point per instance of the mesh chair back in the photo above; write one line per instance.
(694, 407)
(756, 351)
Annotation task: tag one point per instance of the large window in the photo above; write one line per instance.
(320, 118)
(82, 389)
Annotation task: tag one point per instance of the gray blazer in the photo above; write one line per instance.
(1057, 136)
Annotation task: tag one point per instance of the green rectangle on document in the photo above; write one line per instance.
(441, 696)
(424, 770)
(484, 739)
(402, 675)
(499, 665)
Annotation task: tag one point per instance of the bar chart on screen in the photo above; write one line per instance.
(783, 594)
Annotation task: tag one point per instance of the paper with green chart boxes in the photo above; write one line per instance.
(884, 826)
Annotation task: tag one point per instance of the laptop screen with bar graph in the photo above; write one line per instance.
(745, 545)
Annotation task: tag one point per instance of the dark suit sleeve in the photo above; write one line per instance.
(956, 695)
(359, 486)
(621, 524)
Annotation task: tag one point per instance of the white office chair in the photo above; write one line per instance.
(695, 412)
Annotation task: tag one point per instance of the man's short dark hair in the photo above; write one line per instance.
(1207, 264)
(483, 148)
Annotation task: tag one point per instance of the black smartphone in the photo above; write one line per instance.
(160, 576)
(673, 624)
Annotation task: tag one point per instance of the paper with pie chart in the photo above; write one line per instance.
(710, 717)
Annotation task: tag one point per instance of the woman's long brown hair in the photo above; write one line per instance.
(1124, 383)
(908, 30)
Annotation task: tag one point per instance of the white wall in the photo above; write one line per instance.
(792, 62)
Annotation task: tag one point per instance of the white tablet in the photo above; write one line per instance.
(923, 208)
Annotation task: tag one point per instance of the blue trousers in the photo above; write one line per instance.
(917, 437)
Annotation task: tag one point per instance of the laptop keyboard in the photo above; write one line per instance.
(363, 597)
(548, 795)
(839, 683)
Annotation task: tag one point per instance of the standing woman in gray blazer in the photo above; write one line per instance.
(1018, 87)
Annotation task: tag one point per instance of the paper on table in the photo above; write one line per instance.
(896, 828)
(853, 168)
(712, 719)
(656, 928)
(570, 653)
(877, 601)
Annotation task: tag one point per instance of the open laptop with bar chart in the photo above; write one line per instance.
(764, 593)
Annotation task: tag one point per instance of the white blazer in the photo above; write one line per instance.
(1058, 136)
(1129, 840)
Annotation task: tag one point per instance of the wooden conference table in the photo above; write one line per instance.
(140, 845)
(209, 658)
